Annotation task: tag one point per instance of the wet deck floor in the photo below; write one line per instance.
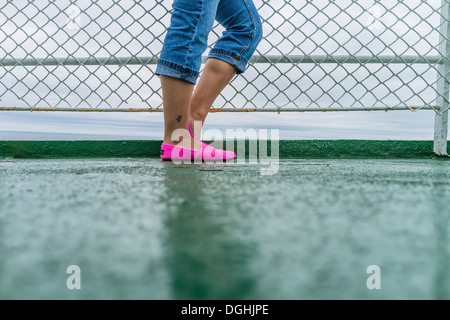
(144, 229)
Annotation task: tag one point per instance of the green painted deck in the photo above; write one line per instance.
(140, 228)
(288, 149)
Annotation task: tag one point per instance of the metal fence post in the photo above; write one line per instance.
(441, 119)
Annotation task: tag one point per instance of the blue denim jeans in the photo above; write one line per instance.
(187, 36)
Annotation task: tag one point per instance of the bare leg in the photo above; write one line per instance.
(215, 76)
(177, 95)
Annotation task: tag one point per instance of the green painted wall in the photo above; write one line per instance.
(288, 149)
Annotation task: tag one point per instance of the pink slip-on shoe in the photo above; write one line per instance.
(208, 153)
(170, 152)
(216, 153)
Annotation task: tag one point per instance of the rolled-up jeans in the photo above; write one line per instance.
(187, 36)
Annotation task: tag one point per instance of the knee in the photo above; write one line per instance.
(256, 30)
(248, 31)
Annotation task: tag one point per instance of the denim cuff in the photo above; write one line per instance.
(174, 70)
(230, 57)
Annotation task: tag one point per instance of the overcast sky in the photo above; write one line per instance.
(297, 27)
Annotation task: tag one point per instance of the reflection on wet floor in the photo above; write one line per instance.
(148, 229)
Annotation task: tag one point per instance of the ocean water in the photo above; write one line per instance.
(374, 125)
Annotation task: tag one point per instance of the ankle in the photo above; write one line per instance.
(185, 143)
(196, 126)
(168, 141)
(196, 117)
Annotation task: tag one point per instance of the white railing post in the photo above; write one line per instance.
(441, 120)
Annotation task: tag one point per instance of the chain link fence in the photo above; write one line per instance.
(316, 55)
